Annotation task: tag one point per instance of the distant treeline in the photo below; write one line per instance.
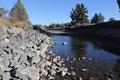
(58, 25)
(79, 16)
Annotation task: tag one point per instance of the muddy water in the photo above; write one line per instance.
(90, 59)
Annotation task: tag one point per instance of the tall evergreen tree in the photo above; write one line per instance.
(18, 12)
(111, 19)
(97, 18)
(79, 14)
(118, 2)
(101, 18)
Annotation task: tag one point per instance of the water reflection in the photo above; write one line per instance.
(117, 69)
(104, 53)
(77, 47)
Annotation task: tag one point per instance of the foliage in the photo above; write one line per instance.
(58, 25)
(97, 18)
(2, 11)
(101, 18)
(111, 19)
(79, 14)
(18, 12)
(118, 2)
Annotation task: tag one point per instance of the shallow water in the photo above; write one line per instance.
(101, 56)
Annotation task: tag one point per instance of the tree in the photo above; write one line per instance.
(79, 14)
(18, 12)
(111, 19)
(2, 11)
(101, 18)
(118, 2)
(97, 18)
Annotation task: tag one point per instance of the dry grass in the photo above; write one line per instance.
(22, 24)
(4, 21)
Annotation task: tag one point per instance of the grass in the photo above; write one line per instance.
(4, 21)
(22, 24)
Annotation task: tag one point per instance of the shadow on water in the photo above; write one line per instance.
(101, 55)
(117, 69)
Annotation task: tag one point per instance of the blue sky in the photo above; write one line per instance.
(58, 11)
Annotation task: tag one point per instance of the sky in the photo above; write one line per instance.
(58, 11)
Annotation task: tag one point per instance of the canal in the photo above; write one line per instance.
(89, 58)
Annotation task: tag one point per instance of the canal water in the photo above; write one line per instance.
(90, 58)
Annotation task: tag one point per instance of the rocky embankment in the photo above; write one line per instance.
(24, 55)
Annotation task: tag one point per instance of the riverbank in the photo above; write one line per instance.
(24, 55)
(107, 29)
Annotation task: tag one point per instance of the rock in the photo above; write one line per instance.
(24, 56)
(67, 59)
(44, 72)
(22, 47)
(51, 78)
(56, 59)
(6, 51)
(64, 43)
(59, 64)
(6, 76)
(90, 59)
(28, 71)
(41, 64)
(36, 59)
(6, 63)
(71, 68)
(83, 58)
(4, 68)
(63, 71)
(109, 79)
(54, 67)
(80, 78)
(92, 78)
(84, 70)
(110, 75)
(48, 63)
(23, 59)
(73, 73)
(74, 59)
(13, 72)
(63, 65)
(50, 52)
(71, 61)
(79, 59)
(6, 40)
(52, 72)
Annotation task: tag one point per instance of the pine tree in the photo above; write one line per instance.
(111, 19)
(79, 14)
(101, 18)
(18, 12)
(118, 2)
(97, 18)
